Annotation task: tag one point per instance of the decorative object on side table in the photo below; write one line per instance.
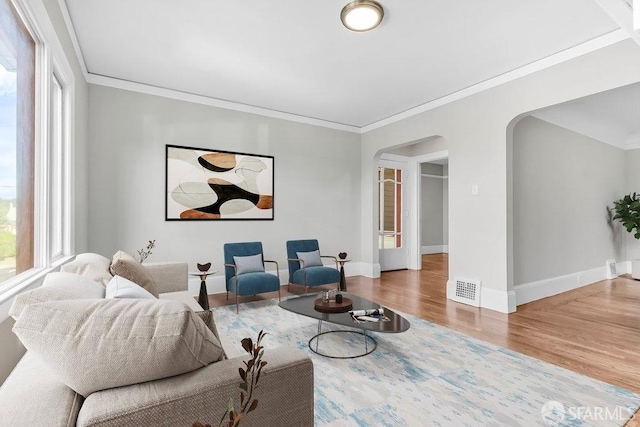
(250, 377)
(203, 273)
(329, 304)
(204, 267)
(145, 252)
(342, 259)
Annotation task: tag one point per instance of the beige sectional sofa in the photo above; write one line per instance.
(93, 361)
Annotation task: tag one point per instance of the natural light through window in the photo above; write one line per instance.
(8, 211)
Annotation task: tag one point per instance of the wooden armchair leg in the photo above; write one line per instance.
(279, 295)
(237, 308)
(227, 295)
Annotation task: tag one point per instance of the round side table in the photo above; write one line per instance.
(343, 281)
(203, 298)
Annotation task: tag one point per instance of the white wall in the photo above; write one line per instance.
(476, 130)
(562, 185)
(632, 184)
(316, 192)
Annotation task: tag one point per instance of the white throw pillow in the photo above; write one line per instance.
(93, 345)
(311, 259)
(248, 264)
(57, 286)
(92, 266)
(119, 287)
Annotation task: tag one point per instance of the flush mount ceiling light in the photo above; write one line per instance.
(362, 15)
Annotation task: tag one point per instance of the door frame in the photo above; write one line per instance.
(415, 205)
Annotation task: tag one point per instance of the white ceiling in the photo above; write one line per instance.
(612, 117)
(295, 57)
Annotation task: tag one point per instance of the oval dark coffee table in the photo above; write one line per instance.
(304, 305)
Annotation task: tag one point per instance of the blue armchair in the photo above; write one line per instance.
(244, 270)
(305, 265)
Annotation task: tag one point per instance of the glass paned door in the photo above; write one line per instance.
(390, 206)
(390, 219)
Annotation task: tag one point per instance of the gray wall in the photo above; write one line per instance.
(562, 184)
(476, 129)
(11, 349)
(316, 192)
(632, 184)
(432, 206)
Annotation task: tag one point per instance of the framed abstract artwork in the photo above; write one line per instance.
(207, 184)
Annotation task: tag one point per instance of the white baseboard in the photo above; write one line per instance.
(434, 249)
(370, 270)
(623, 267)
(492, 299)
(539, 289)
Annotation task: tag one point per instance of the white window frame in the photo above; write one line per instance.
(51, 62)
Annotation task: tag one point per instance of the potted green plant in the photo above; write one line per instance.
(627, 211)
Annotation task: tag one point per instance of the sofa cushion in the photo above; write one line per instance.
(183, 297)
(207, 317)
(57, 286)
(92, 266)
(119, 287)
(316, 276)
(33, 396)
(93, 345)
(130, 268)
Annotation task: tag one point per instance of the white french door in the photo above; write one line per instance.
(391, 211)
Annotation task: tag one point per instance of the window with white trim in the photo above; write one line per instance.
(36, 89)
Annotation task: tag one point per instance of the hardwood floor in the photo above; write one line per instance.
(593, 330)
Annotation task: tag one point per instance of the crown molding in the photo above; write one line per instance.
(74, 38)
(557, 58)
(213, 102)
(567, 54)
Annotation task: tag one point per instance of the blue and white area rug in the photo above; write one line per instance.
(430, 376)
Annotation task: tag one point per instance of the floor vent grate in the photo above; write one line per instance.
(467, 291)
(612, 271)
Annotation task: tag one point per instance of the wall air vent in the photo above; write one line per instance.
(467, 291)
(611, 270)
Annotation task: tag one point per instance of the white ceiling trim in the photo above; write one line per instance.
(620, 13)
(74, 38)
(574, 52)
(636, 15)
(213, 102)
